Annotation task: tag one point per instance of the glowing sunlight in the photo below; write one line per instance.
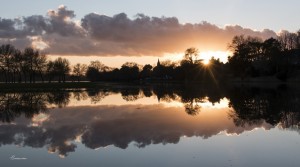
(207, 55)
(206, 62)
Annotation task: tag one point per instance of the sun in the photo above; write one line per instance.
(207, 55)
(206, 62)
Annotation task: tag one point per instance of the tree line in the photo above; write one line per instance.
(252, 57)
(190, 68)
(249, 105)
(30, 65)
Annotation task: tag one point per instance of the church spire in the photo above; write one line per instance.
(158, 63)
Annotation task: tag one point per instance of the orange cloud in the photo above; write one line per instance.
(103, 35)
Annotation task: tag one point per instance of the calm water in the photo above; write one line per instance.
(160, 125)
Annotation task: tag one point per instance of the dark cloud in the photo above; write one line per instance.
(103, 35)
(36, 25)
(60, 22)
(7, 28)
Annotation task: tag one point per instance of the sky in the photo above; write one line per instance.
(143, 31)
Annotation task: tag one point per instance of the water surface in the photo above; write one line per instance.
(151, 125)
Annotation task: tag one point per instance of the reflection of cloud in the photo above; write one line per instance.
(117, 35)
(39, 119)
(101, 126)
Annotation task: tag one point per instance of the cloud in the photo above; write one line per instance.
(103, 35)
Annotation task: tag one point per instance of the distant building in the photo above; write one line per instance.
(158, 63)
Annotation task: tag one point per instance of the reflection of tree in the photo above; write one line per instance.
(80, 95)
(59, 98)
(167, 92)
(8, 108)
(253, 105)
(15, 104)
(147, 91)
(131, 94)
(32, 103)
(192, 106)
(169, 98)
(12, 105)
(248, 109)
(249, 106)
(290, 120)
(97, 95)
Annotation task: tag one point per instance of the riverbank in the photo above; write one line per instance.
(252, 82)
(46, 86)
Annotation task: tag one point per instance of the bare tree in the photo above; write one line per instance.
(6, 54)
(40, 64)
(62, 68)
(97, 65)
(50, 71)
(79, 70)
(17, 65)
(288, 40)
(191, 55)
(29, 56)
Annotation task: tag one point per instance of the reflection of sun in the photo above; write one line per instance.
(223, 103)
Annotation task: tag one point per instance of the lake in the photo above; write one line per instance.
(151, 125)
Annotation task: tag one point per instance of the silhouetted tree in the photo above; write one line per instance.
(164, 70)
(298, 39)
(6, 63)
(191, 65)
(129, 71)
(245, 50)
(93, 74)
(30, 56)
(40, 64)
(50, 71)
(272, 54)
(18, 65)
(61, 68)
(79, 70)
(288, 40)
(95, 71)
(147, 71)
(191, 55)
(98, 66)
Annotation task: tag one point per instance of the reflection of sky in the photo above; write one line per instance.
(119, 125)
(272, 148)
(117, 99)
(113, 99)
(144, 132)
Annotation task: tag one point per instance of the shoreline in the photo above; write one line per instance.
(256, 82)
